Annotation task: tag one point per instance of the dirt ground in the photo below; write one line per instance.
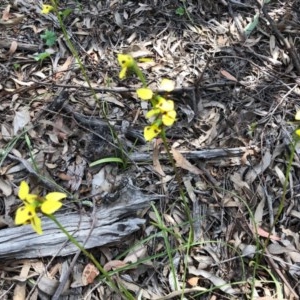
(236, 67)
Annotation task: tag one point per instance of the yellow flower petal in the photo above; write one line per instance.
(126, 60)
(24, 193)
(49, 207)
(24, 214)
(167, 85)
(46, 9)
(150, 132)
(165, 105)
(36, 224)
(144, 93)
(55, 196)
(297, 132)
(297, 116)
(169, 118)
(123, 72)
(23, 190)
(52, 203)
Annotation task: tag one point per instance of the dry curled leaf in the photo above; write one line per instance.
(183, 163)
(215, 280)
(266, 234)
(20, 288)
(193, 281)
(228, 76)
(13, 48)
(89, 274)
(135, 254)
(114, 264)
(6, 14)
(21, 119)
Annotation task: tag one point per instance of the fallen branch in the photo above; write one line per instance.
(206, 154)
(112, 224)
(22, 46)
(124, 90)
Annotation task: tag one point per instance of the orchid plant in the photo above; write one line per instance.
(163, 112)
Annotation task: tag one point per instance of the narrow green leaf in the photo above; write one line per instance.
(42, 56)
(106, 160)
(251, 26)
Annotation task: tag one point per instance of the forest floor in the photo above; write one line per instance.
(223, 224)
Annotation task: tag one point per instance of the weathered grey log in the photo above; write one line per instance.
(205, 154)
(113, 222)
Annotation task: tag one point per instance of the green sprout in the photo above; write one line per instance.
(40, 57)
(180, 11)
(49, 37)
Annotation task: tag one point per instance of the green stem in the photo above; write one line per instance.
(284, 191)
(186, 207)
(139, 74)
(91, 257)
(187, 13)
(280, 209)
(86, 78)
(74, 241)
(178, 178)
(286, 181)
(71, 47)
(165, 233)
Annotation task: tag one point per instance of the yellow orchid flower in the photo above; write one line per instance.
(297, 116)
(46, 8)
(27, 214)
(150, 132)
(168, 118)
(144, 93)
(126, 62)
(165, 105)
(297, 131)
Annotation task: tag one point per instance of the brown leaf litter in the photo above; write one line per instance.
(236, 93)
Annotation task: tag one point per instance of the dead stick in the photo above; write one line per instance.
(26, 47)
(207, 154)
(121, 90)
